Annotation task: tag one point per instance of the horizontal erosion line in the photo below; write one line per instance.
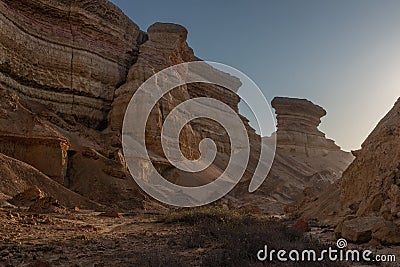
(33, 84)
(50, 96)
(21, 28)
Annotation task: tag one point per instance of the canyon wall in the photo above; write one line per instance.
(370, 187)
(67, 54)
(68, 70)
(364, 205)
(306, 162)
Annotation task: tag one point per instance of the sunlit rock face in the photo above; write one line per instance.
(68, 70)
(370, 187)
(367, 197)
(306, 162)
(67, 54)
(166, 46)
(371, 184)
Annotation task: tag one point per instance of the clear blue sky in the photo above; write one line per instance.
(343, 55)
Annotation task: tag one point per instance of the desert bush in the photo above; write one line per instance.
(232, 238)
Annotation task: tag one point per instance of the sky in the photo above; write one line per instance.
(343, 55)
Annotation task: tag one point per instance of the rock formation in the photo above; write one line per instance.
(166, 46)
(364, 204)
(60, 63)
(297, 132)
(371, 184)
(67, 54)
(67, 72)
(306, 162)
(36, 151)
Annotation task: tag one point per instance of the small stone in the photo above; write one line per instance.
(111, 214)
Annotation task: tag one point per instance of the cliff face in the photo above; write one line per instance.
(370, 187)
(70, 55)
(365, 203)
(60, 64)
(297, 133)
(68, 70)
(305, 162)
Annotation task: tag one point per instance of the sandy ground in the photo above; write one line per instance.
(84, 238)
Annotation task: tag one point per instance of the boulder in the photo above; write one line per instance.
(387, 233)
(28, 197)
(359, 230)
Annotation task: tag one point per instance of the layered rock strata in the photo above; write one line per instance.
(67, 72)
(305, 162)
(298, 121)
(67, 54)
(166, 46)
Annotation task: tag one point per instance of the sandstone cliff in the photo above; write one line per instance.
(67, 54)
(67, 72)
(370, 187)
(60, 63)
(306, 161)
(364, 204)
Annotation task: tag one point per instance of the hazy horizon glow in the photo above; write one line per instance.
(342, 55)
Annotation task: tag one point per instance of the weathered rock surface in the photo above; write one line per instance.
(67, 72)
(371, 183)
(17, 177)
(306, 162)
(37, 151)
(60, 64)
(68, 54)
(37, 201)
(369, 188)
(297, 132)
(166, 46)
(359, 230)
(387, 233)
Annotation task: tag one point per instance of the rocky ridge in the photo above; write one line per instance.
(306, 162)
(376, 177)
(368, 210)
